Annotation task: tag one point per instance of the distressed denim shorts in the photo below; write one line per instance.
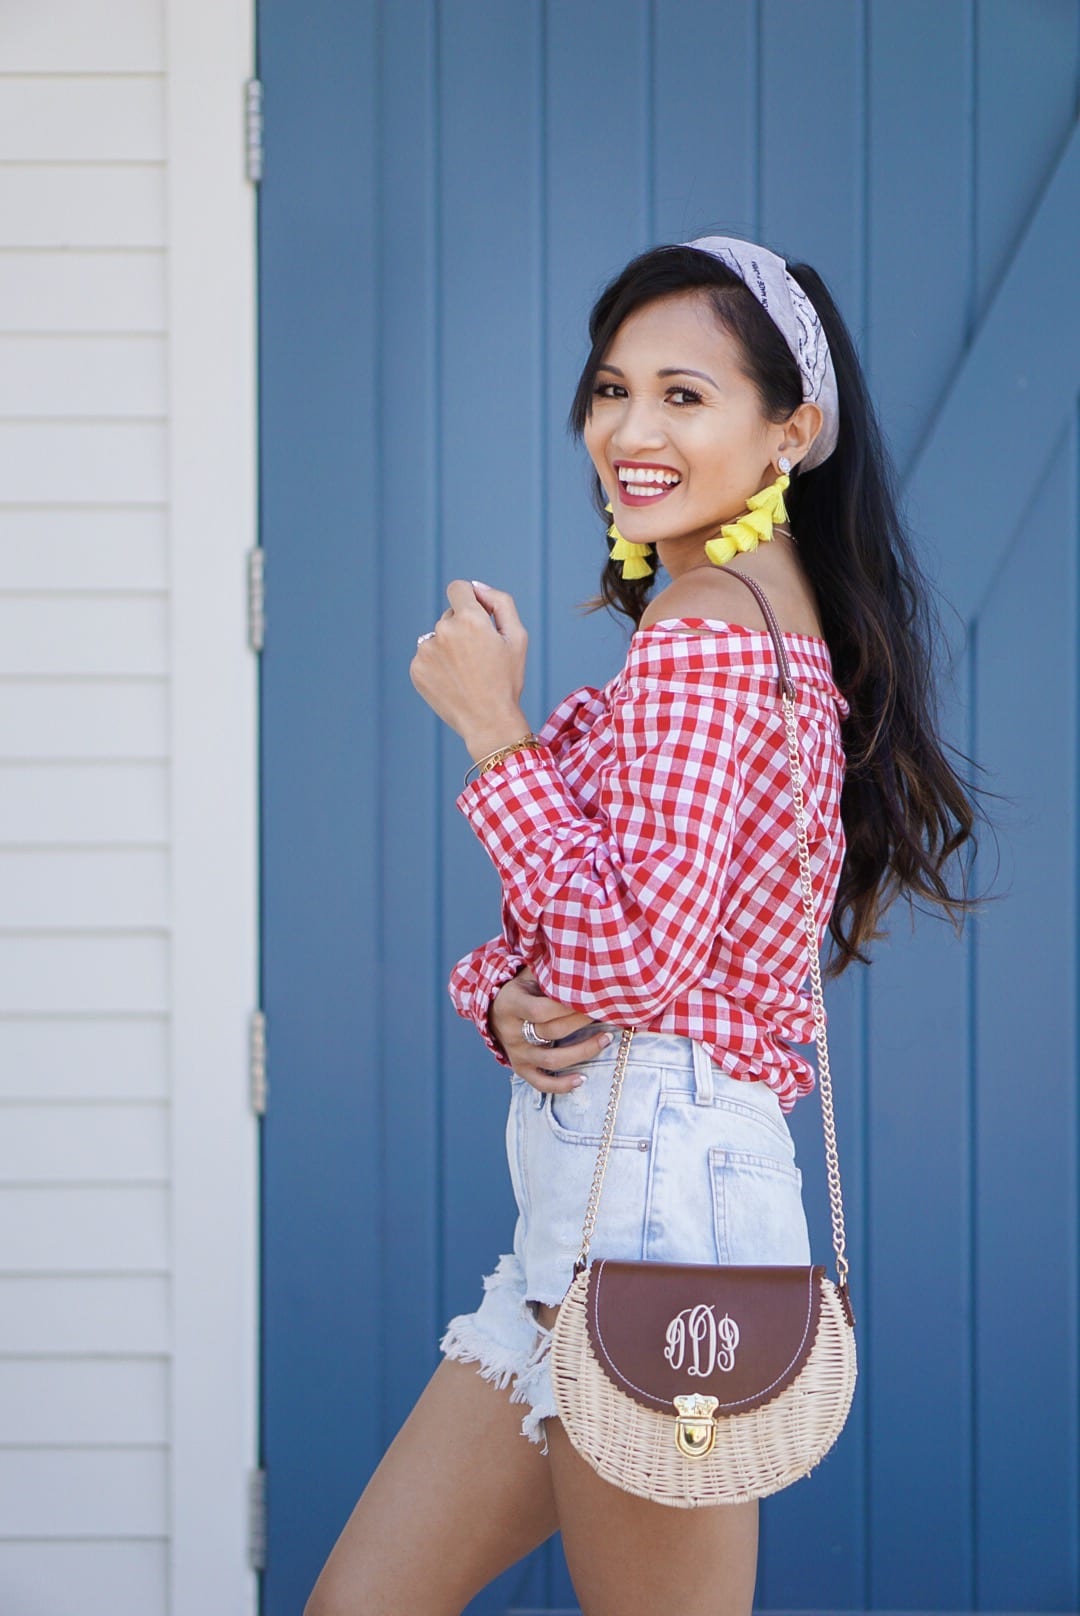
(701, 1170)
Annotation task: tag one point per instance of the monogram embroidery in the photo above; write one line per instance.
(701, 1340)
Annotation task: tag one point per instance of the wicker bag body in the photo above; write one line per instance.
(691, 1384)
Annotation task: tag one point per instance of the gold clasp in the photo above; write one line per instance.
(695, 1426)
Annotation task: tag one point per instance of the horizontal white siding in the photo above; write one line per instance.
(79, 204)
(84, 36)
(90, 548)
(82, 375)
(84, 1142)
(80, 292)
(127, 1149)
(91, 719)
(75, 802)
(83, 461)
(64, 1402)
(85, 1313)
(117, 118)
(37, 1577)
(85, 1345)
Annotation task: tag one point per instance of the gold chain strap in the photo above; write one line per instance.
(832, 1163)
(824, 1076)
(605, 1150)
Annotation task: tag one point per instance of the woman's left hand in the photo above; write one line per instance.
(471, 672)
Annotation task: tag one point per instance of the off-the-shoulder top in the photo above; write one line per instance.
(647, 849)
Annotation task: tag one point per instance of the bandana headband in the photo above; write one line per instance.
(783, 299)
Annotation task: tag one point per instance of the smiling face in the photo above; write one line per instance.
(700, 433)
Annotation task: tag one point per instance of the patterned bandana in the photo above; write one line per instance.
(781, 296)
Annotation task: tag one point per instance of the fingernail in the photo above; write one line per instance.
(606, 1039)
(576, 1082)
(479, 585)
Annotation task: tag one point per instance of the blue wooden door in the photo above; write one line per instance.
(447, 185)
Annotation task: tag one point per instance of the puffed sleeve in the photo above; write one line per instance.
(617, 911)
(474, 982)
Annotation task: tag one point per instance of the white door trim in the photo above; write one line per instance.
(213, 799)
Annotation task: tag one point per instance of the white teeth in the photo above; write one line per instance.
(650, 490)
(632, 474)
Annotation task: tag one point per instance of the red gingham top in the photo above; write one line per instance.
(648, 855)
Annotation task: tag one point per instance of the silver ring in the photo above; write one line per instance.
(430, 635)
(531, 1036)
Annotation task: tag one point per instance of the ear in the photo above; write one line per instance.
(800, 432)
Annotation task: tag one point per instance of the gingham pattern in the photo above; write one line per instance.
(648, 855)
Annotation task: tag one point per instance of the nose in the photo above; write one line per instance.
(639, 430)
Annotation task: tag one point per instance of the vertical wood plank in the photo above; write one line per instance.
(810, 167)
(919, 228)
(596, 218)
(1027, 80)
(322, 921)
(919, 1164)
(1024, 1321)
(412, 967)
(490, 526)
(487, 489)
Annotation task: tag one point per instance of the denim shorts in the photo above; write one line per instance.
(701, 1170)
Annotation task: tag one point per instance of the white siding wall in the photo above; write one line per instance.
(101, 674)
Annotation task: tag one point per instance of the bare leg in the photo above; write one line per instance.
(629, 1557)
(459, 1496)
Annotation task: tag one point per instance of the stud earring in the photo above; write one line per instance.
(784, 463)
(634, 562)
(756, 527)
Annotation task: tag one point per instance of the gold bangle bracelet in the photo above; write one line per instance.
(489, 762)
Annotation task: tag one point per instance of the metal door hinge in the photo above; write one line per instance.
(257, 1084)
(253, 130)
(256, 598)
(257, 1519)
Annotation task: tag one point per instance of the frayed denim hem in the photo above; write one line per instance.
(533, 1386)
(508, 1344)
(467, 1344)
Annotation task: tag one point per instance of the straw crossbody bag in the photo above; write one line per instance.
(691, 1384)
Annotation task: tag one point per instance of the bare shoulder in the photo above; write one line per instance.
(714, 593)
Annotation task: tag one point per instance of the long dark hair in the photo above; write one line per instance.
(905, 810)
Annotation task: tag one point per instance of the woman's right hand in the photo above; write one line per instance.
(553, 1071)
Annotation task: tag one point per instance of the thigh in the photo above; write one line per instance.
(459, 1496)
(630, 1557)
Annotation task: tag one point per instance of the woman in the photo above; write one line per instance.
(645, 843)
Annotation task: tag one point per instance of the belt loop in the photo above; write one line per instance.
(703, 1074)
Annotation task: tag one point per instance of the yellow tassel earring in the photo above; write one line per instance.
(631, 555)
(756, 527)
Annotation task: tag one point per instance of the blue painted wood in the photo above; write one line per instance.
(1027, 94)
(1025, 1245)
(810, 188)
(488, 393)
(320, 901)
(448, 185)
(411, 1045)
(920, 94)
(920, 99)
(1005, 403)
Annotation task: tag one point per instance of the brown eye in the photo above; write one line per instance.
(688, 392)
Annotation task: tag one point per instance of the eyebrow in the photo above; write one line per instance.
(681, 371)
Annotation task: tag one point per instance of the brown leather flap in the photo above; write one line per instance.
(740, 1334)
